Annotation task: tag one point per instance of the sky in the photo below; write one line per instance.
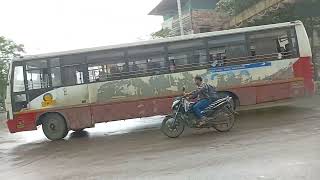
(59, 25)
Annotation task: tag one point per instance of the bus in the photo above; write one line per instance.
(76, 89)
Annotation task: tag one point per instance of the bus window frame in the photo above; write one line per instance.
(284, 29)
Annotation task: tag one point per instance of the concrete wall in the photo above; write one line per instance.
(210, 19)
(203, 16)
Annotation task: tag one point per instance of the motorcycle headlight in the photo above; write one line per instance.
(175, 103)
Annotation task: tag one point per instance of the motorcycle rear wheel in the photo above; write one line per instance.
(226, 121)
(170, 130)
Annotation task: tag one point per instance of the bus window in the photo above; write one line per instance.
(73, 75)
(37, 74)
(271, 43)
(217, 55)
(293, 45)
(156, 64)
(116, 68)
(223, 48)
(18, 81)
(133, 67)
(180, 59)
(55, 72)
(187, 52)
(146, 59)
(37, 78)
(19, 96)
(95, 71)
(56, 76)
(172, 65)
(236, 51)
(200, 56)
(106, 65)
(136, 65)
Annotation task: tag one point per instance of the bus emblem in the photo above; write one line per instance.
(48, 100)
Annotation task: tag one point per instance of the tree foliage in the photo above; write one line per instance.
(234, 7)
(8, 51)
(163, 33)
(297, 11)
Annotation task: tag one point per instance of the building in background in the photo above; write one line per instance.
(197, 16)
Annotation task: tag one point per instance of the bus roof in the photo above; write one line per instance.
(160, 41)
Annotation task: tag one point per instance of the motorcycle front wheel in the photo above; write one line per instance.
(172, 130)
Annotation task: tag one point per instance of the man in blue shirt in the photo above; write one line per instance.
(205, 94)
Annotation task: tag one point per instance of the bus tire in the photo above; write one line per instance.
(54, 126)
(79, 130)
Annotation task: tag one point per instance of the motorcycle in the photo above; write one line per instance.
(220, 115)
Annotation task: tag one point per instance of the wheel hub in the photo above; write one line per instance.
(52, 126)
(171, 125)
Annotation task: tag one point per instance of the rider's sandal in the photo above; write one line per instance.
(201, 123)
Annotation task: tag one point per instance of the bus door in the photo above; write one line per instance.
(19, 96)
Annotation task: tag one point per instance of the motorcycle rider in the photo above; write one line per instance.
(205, 95)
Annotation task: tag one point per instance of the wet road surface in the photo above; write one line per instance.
(267, 144)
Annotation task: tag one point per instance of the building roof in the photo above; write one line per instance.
(165, 6)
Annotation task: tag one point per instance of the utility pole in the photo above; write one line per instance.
(180, 17)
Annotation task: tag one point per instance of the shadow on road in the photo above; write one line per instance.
(79, 134)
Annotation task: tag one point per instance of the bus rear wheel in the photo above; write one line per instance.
(54, 126)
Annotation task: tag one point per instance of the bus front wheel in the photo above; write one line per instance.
(54, 126)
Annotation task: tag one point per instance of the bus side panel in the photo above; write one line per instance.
(262, 93)
(247, 95)
(132, 109)
(273, 92)
(77, 117)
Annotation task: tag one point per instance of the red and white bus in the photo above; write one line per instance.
(74, 90)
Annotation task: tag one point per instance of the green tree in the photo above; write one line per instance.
(234, 7)
(163, 33)
(306, 11)
(8, 51)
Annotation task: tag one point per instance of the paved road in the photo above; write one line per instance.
(268, 144)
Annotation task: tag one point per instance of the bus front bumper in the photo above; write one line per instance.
(22, 122)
